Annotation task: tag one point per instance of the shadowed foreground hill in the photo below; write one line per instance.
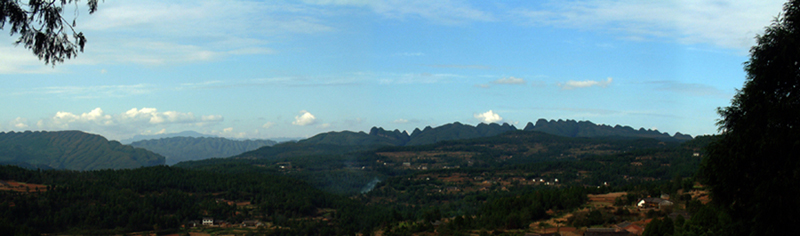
(72, 150)
(178, 149)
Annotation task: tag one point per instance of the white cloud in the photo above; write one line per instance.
(268, 125)
(323, 126)
(400, 121)
(128, 123)
(509, 80)
(305, 118)
(726, 24)
(83, 92)
(152, 116)
(19, 123)
(488, 117)
(230, 133)
(211, 118)
(586, 83)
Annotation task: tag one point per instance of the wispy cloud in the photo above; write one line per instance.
(409, 54)
(586, 83)
(691, 89)
(416, 78)
(510, 80)
(18, 60)
(477, 67)
(153, 32)
(442, 12)
(726, 24)
(84, 92)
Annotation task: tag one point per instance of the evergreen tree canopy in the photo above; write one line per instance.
(753, 169)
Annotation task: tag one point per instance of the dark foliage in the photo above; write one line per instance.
(72, 150)
(120, 201)
(43, 29)
(753, 169)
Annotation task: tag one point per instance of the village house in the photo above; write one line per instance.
(653, 202)
(630, 227)
(208, 221)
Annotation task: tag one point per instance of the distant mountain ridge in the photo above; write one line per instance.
(140, 137)
(71, 150)
(572, 128)
(381, 137)
(457, 131)
(177, 149)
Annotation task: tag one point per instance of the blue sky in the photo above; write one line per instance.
(269, 69)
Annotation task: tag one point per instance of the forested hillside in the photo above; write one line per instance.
(155, 198)
(71, 150)
(572, 128)
(349, 169)
(503, 182)
(177, 149)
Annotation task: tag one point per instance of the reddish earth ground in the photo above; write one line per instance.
(604, 199)
(11, 185)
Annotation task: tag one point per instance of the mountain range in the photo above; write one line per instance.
(572, 128)
(76, 150)
(71, 150)
(349, 141)
(177, 149)
(457, 131)
(140, 137)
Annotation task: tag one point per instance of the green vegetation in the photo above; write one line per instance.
(177, 149)
(153, 198)
(753, 169)
(347, 183)
(71, 150)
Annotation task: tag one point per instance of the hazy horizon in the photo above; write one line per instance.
(271, 69)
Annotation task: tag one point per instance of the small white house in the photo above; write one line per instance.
(208, 221)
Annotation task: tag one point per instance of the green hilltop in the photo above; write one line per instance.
(71, 150)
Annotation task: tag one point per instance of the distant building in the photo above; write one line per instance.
(208, 221)
(250, 223)
(631, 228)
(652, 202)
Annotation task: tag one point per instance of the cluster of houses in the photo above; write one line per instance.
(210, 222)
(653, 202)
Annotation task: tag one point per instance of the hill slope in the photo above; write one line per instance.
(72, 150)
(572, 128)
(177, 149)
